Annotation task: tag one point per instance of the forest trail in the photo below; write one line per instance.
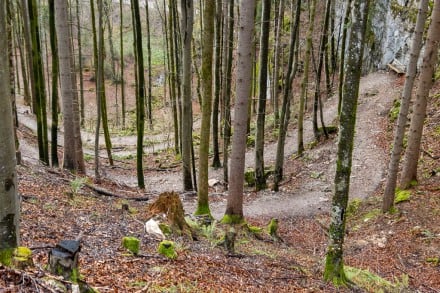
(313, 195)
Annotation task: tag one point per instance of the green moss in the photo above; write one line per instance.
(353, 207)
(371, 214)
(131, 244)
(232, 219)
(402, 195)
(272, 227)
(433, 260)
(202, 210)
(394, 111)
(166, 229)
(22, 251)
(6, 256)
(167, 249)
(250, 141)
(367, 280)
(254, 229)
(75, 276)
(249, 177)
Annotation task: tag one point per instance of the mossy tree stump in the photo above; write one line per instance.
(63, 259)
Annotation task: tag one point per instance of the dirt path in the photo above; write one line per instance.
(377, 92)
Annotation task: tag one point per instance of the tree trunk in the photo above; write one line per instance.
(218, 84)
(334, 265)
(276, 65)
(140, 92)
(207, 53)
(9, 201)
(430, 57)
(285, 108)
(342, 61)
(73, 154)
(28, 45)
(80, 64)
(187, 9)
(260, 177)
(234, 208)
(393, 167)
(121, 31)
(305, 79)
(55, 71)
(40, 91)
(150, 69)
(228, 50)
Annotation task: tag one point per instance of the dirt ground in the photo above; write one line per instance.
(402, 247)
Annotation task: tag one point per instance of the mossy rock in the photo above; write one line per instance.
(22, 258)
(249, 177)
(167, 249)
(166, 229)
(402, 195)
(132, 244)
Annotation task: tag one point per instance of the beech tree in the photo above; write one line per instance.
(9, 201)
(388, 197)
(207, 53)
(430, 57)
(73, 153)
(334, 264)
(234, 208)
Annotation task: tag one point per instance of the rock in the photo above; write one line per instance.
(167, 249)
(131, 244)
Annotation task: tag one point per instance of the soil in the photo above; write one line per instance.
(394, 246)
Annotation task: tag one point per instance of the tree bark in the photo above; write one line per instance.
(334, 265)
(9, 201)
(260, 177)
(73, 154)
(234, 207)
(393, 167)
(187, 9)
(430, 57)
(207, 54)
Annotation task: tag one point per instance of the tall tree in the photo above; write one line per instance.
(276, 63)
(140, 92)
(260, 177)
(217, 84)
(9, 201)
(305, 78)
(187, 9)
(234, 208)
(287, 96)
(121, 32)
(73, 153)
(430, 58)
(55, 71)
(207, 53)
(38, 84)
(334, 264)
(227, 80)
(149, 102)
(342, 59)
(80, 63)
(393, 167)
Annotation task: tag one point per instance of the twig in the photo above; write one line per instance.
(431, 155)
(109, 193)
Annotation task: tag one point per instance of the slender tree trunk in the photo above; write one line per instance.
(39, 84)
(430, 58)
(342, 61)
(260, 177)
(73, 154)
(217, 82)
(55, 71)
(334, 265)
(140, 92)
(228, 50)
(207, 54)
(187, 9)
(80, 64)
(285, 110)
(305, 79)
(150, 69)
(276, 66)
(173, 77)
(234, 207)
(23, 61)
(121, 41)
(393, 167)
(28, 44)
(322, 52)
(9, 200)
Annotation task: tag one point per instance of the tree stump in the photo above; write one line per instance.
(63, 259)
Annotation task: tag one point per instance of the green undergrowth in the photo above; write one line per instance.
(370, 282)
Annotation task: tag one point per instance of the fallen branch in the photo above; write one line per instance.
(431, 155)
(109, 193)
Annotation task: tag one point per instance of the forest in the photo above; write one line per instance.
(220, 146)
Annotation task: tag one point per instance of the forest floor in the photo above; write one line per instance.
(403, 247)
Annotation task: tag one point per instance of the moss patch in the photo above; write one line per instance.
(232, 219)
(132, 244)
(6, 256)
(167, 249)
(402, 195)
(367, 280)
